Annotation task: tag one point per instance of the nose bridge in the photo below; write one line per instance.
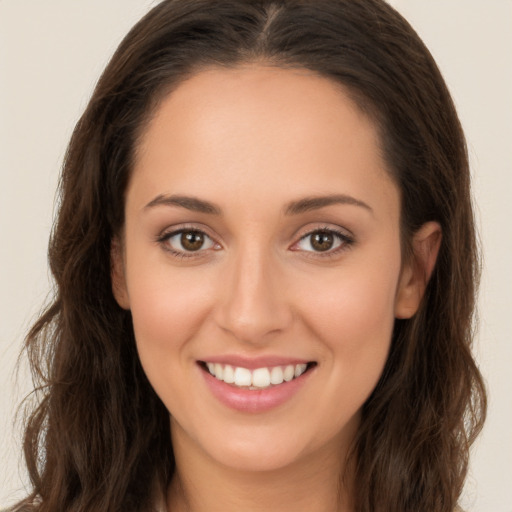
(254, 304)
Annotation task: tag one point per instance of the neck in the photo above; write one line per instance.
(200, 484)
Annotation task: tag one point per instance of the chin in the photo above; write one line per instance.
(268, 449)
(255, 459)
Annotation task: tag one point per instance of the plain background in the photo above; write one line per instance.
(51, 54)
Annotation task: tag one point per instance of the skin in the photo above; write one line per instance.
(251, 140)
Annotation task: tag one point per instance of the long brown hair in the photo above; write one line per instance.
(99, 439)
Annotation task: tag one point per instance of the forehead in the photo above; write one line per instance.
(240, 129)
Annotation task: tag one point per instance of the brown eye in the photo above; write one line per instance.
(322, 241)
(192, 240)
(187, 241)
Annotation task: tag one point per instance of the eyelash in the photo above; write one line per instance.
(164, 238)
(346, 242)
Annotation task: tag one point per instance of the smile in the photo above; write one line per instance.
(258, 389)
(258, 378)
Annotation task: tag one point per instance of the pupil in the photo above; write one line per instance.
(322, 241)
(192, 240)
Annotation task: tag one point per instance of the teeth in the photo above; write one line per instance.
(289, 373)
(300, 369)
(219, 371)
(229, 374)
(259, 378)
(242, 377)
(276, 375)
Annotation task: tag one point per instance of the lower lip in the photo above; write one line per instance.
(254, 400)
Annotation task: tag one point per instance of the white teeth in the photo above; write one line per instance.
(289, 373)
(300, 369)
(258, 378)
(229, 374)
(243, 377)
(261, 378)
(219, 371)
(276, 375)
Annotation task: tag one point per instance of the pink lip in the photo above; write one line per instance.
(251, 363)
(254, 401)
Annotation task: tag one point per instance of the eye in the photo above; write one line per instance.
(323, 241)
(186, 241)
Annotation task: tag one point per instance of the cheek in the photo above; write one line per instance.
(354, 302)
(354, 319)
(353, 310)
(168, 308)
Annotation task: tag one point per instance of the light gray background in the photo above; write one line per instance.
(51, 54)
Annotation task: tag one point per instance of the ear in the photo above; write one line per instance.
(117, 274)
(416, 273)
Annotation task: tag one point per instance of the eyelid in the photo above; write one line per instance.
(165, 235)
(343, 235)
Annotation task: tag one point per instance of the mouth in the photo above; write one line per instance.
(258, 378)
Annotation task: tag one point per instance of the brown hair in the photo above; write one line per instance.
(99, 439)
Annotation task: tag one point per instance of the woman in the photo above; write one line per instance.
(266, 264)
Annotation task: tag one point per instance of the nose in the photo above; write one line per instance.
(254, 306)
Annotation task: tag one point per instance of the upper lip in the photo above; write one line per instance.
(251, 363)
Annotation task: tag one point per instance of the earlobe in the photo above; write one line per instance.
(117, 274)
(416, 273)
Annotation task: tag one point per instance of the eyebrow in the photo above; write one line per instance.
(188, 202)
(293, 208)
(316, 202)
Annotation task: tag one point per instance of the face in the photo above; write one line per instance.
(262, 246)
